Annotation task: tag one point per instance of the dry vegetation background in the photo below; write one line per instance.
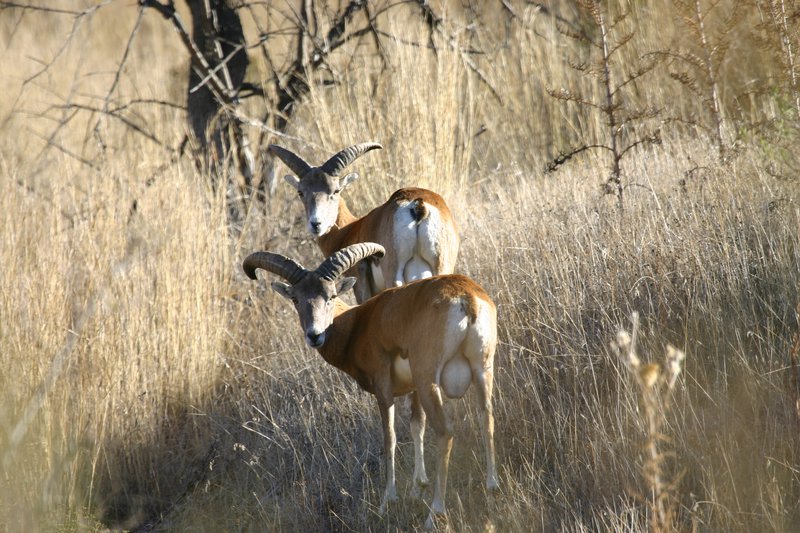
(147, 383)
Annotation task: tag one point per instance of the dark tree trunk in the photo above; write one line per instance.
(217, 32)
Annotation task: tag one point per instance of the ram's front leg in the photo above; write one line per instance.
(386, 407)
(418, 434)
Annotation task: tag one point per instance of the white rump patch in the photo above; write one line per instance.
(485, 328)
(416, 244)
(430, 232)
(455, 375)
(405, 241)
(480, 337)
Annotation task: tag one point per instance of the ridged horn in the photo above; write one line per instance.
(288, 269)
(337, 163)
(292, 160)
(344, 259)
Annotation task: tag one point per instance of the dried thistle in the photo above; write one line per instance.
(655, 384)
(649, 374)
(675, 359)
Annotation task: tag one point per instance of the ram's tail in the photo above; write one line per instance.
(418, 209)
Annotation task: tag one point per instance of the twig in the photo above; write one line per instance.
(434, 23)
(563, 157)
(200, 63)
(114, 114)
(4, 4)
(223, 66)
(118, 73)
(78, 16)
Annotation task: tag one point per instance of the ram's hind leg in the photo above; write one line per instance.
(479, 348)
(482, 379)
(431, 401)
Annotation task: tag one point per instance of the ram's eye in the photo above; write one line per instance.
(294, 300)
(332, 298)
(300, 194)
(337, 191)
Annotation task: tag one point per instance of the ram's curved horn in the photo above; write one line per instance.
(292, 160)
(346, 258)
(338, 162)
(288, 269)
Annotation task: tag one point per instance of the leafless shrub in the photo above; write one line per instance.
(696, 63)
(613, 79)
(778, 35)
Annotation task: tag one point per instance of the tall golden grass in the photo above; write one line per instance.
(146, 381)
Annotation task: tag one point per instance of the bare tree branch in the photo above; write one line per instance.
(434, 23)
(168, 12)
(118, 73)
(116, 115)
(4, 4)
(563, 157)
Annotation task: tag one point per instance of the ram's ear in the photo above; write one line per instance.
(347, 180)
(283, 289)
(292, 180)
(345, 284)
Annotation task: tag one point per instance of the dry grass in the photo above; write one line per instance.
(145, 380)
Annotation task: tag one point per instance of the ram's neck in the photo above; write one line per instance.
(337, 237)
(336, 351)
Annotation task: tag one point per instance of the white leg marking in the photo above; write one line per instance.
(418, 434)
(389, 441)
